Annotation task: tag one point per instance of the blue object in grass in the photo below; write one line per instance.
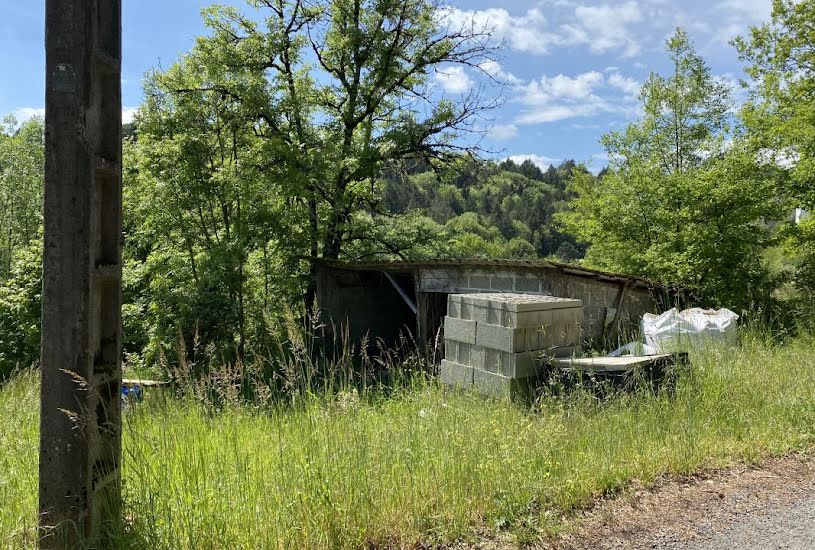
(132, 393)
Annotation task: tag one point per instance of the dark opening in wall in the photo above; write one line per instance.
(368, 303)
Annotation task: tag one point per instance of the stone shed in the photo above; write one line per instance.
(384, 299)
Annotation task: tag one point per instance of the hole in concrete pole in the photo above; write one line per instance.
(108, 102)
(107, 222)
(107, 352)
(107, 26)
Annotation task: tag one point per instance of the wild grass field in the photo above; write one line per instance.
(342, 469)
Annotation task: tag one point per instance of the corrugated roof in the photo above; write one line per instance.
(413, 265)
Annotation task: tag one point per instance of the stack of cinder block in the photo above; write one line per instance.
(497, 342)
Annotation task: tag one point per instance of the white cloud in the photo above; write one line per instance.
(540, 161)
(754, 11)
(624, 84)
(601, 28)
(24, 113)
(454, 79)
(738, 16)
(503, 131)
(550, 99)
(553, 98)
(605, 28)
(128, 113)
(524, 33)
(494, 69)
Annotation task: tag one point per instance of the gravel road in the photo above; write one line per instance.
(768, 507)
(791, 527)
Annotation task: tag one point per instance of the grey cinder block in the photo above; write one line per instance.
(465, 354)
(527, 284)
(437, 280)
(502, 283)
(553, 335)
(493, 384)
(511, 309)
(460, 330)
(477, 357)
(473, 312)
(512, 365)
(479, 281)
(501, 338)
(497, 385)
(455, 374)
(451, 350)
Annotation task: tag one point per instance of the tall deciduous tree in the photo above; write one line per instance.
(780, 115)
(684, 200)
(332, 91)
(199, 209)
(261, 150)
(21, 183)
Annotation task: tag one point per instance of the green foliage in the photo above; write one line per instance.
(780, 116)
(332, 92)
(685, 199)
(260, 150)
(20, 310)
(488, 210)
(21, 183)
(21, 186)
(197, 208)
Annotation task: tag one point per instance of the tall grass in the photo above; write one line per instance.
(349, 469)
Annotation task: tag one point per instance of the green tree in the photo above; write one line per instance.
(20, 307)
(199, 206)
(21, 183)
(780, 116)
(262, 149)
(684, 199)
(336, 90)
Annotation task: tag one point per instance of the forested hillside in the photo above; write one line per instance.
(492, 210)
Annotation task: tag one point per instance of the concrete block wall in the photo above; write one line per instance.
(495, 341)
(365, 302)
(600, 298)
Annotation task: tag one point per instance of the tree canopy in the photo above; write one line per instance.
(780, 114)
(684, 199)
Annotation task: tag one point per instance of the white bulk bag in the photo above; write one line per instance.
(689, 329)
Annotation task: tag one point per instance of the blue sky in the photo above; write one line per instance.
(572, 67)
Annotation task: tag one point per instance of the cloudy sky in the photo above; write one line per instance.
(571, 69)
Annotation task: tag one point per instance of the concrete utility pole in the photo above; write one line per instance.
(80, 423)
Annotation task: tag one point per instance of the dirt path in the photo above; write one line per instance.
(769, 507)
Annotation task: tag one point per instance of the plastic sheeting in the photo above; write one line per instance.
(676, 330)
(633, 348)
(692, 328)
